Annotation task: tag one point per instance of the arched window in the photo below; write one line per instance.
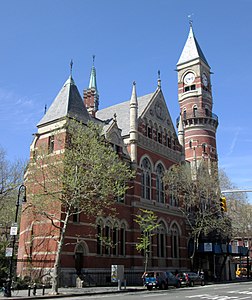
(161, 240)
(195, 111)
(190, 144)
(207, 111)
(175, 241)
(160, 184)
(146, 179)
(204, 148)
(79, 258)
(123, 240)
(99, 237)
(149, 130)
(115, 239)
(107, 238)
(184, 114)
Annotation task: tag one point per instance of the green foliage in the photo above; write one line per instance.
(11, 176)
(147, 222)
(85, 177)
(93, 173)
(239, 209)
(198, 194)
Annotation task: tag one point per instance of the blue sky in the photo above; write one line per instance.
(132, 40)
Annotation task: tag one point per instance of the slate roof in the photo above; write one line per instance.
(69, 103)
(122, 111)
(191, 50)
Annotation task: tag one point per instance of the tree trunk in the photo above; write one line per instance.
(145, 261)
(56, 267)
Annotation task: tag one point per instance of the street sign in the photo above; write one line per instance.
(8, 252)
(13, 230)
(208, 247)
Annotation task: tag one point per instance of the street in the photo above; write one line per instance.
(231, 291)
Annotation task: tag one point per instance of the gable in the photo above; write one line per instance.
(114, 135)
(122, 111)
(157, 112)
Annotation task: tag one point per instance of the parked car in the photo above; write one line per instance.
(172, 280)
(191, 279)
(155, 279)
(160, 279)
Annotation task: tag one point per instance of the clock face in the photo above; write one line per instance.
(189, 78)
(204, 80)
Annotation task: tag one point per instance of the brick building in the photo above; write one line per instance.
(144, 135)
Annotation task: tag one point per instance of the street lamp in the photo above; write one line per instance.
(13, 232)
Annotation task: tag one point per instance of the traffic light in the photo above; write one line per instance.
(223, 203)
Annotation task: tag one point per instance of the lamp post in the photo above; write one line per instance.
(13, 232)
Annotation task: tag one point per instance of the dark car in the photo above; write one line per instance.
(191, 279)
(172, 280)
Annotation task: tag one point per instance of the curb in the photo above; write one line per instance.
(88, 293)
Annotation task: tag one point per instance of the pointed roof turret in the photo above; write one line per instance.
(133, 99)
(191, 49)
(68, 103)
(92, 80)
(181, 131)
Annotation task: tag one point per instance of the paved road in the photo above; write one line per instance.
(232, 291)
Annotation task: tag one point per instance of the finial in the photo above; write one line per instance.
(71, 67)
(45, 109)
(134, 83)
(190, 19)
(159, 80)
(115, 117)
(93, 58)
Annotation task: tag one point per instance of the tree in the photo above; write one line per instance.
(11, 176)
(198, 194)
(85, 177)
(147, 222)
(239, 209)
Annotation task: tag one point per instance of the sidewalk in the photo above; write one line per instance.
(73, 291)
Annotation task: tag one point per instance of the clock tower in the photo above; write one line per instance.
(199, 123)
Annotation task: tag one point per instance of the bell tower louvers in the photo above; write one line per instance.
(195, 100)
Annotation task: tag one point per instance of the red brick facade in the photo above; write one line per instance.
(157, 148)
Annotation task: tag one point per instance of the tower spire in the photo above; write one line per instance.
(159, 79)
(92, 80)
(190, 19)
(191, 49)
(91, 95)
(199, 123)
(71, 67)
(133, 124)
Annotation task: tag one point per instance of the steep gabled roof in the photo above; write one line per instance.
(191, 50)
(68, 103)
(122, 111)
